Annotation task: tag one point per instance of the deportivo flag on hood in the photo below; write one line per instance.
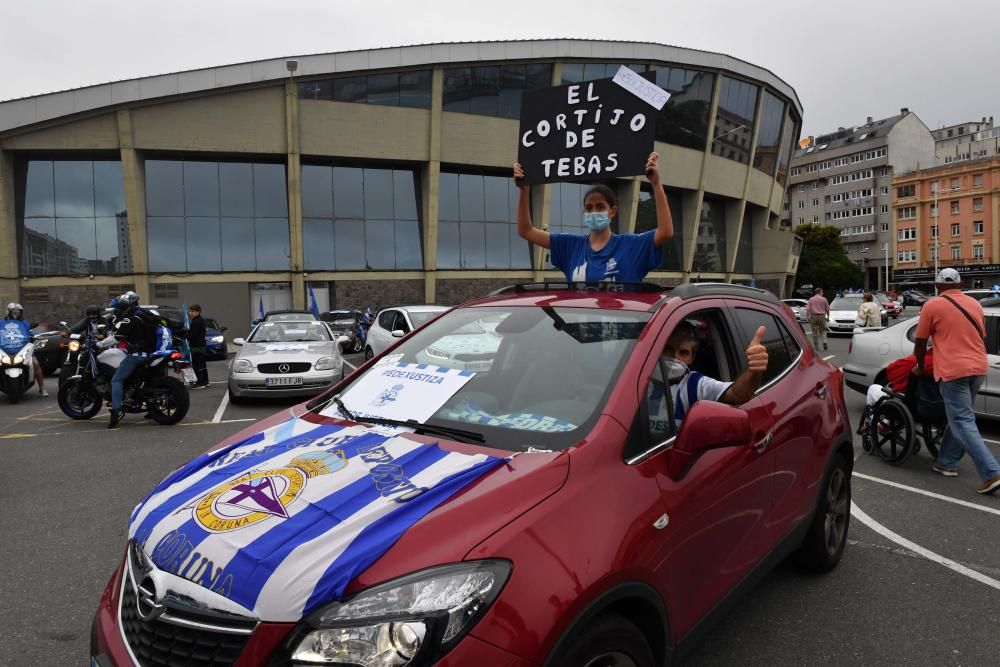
(281, 522)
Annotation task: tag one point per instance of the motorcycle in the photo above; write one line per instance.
(17, 369)
(71, 364)
(150, 388)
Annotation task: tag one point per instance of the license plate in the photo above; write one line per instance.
(281, 382)
(189, 375)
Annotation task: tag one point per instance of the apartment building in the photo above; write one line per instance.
(951, 214)
(844, 178)
(967, 141)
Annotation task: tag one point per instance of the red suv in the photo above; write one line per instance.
(596, 529)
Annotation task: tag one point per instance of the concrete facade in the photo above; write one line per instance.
(844, 179)
(253, 112)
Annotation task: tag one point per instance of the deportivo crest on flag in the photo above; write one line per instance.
(281, 522)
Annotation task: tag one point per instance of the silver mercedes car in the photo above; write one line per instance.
(285, 358)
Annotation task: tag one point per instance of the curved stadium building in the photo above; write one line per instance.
(377, 177)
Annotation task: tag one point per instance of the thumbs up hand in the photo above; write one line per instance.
(757, 353)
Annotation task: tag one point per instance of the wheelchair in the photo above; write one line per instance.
(897, 424)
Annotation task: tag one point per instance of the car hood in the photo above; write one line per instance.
(294, 517)
(286, 351)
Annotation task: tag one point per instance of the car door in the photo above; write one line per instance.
(988, 399)
(795, 390)
(717, 510)
(381, 334)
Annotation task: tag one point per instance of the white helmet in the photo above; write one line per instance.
(11, 307)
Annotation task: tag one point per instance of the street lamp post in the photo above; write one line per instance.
(937, 244)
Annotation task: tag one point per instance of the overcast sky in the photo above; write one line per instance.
(847, 59)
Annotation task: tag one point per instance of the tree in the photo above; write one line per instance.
(823, 262)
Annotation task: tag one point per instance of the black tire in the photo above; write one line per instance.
(824, 544)
(15, 392)
(358, 344)
(169, 402)
(368, 353)
(78, 399)
(931, 435)
(609, 641)
(893, 431)
(234, 399)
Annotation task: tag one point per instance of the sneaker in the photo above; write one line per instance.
(990, 485)
(43, 393)
(945, 470)
(116, 416)
(200, 386)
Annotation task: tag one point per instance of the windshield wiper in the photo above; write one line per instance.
(455, 433)
(343, 408)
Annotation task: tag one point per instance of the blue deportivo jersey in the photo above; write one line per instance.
(14, 334)
(627, 258)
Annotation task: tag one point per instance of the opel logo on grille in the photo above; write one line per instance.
(283, 368)
(145, 601)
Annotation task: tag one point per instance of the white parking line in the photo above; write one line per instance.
(829, 357)
(350, 365)
(222, 408)
(929, 494)
(860, 515)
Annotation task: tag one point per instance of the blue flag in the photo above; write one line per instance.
(313, 307)
(261, 315)
(187, 325)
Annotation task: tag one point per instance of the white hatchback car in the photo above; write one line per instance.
(393, 323)
(870, 353)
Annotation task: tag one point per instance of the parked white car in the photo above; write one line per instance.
(391, 324)
(870, 353)
(844, 312)
(798, 307)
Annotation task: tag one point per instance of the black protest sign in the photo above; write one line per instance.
(584, 132)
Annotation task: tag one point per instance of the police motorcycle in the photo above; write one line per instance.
(151, 388)
(17, 370)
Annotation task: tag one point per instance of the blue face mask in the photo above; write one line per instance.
(596, 222)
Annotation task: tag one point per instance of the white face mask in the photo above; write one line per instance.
(675, 369)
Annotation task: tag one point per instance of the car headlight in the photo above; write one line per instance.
(412, 620)
(217, 339)
(74, 345)
(242, 366)
(436, 353)
(325, 364)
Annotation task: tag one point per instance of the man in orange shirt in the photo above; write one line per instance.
(958, 325)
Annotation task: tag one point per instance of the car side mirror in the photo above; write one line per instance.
(223, 328)
(398, 333)
(63, 324)
(239, 341)
(708, 425)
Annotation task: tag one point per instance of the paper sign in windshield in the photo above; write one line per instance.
(642, 88)
(404, 391)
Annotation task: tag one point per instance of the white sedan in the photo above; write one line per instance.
(393, 323)
(844, 312)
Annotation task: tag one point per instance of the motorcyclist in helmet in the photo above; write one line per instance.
(92, 319)
(135, 331)
(16, 312)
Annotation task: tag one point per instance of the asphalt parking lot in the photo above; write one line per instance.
(918, 585)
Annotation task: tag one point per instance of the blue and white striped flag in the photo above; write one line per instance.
(281, 522)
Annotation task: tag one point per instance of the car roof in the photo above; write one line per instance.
(295, 311)
(638, 297)
(421, 308)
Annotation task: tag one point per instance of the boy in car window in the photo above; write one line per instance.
(687, 386)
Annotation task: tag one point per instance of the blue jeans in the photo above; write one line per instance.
(129, 364)
(962, 434)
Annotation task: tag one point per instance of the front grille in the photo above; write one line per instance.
(469, 356)
(180, 636)
(293, 367)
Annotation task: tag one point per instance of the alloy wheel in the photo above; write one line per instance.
(612, 659)
(836, 510)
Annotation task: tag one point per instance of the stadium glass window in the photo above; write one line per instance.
(789, 139)
(683, 121)
(404, 89)
(710, 244)
(357, 218)
(734, 121)
(577, 72)
(477, 223)
(493, 90)
(765, 157)
(73, 218)
(216, 216)
(673, 250)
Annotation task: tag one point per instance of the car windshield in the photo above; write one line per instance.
(288, 317)
(342, 321)
(210, 323)
(289, 332)
(882, 298)
(421, 317)
(542, 374)
(846, 303)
